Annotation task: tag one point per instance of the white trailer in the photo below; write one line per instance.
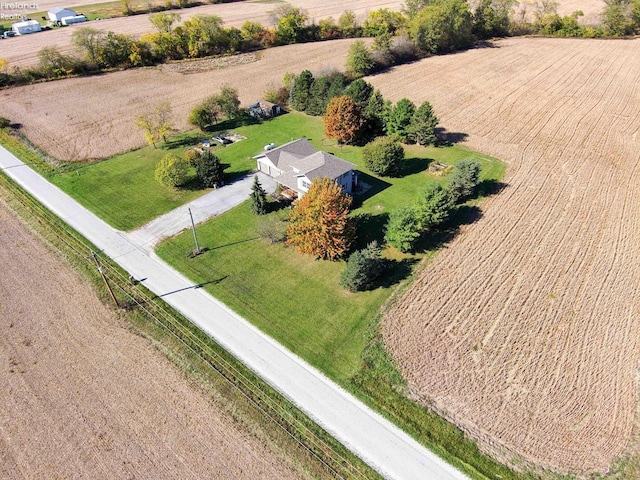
(74, 19)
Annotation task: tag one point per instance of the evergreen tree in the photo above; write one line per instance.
(423, 125)
(400, 117)
(318, 96)
(209, 170)
(433, 206)
(360, 91)
(301, 91)
(258, 198)
(464, 179)
(363, 268)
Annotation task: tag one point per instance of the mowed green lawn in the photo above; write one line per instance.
(123, 191)
(295, 298)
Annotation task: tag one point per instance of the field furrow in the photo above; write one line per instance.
(523, 331)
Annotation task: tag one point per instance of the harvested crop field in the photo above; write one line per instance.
(592, 10)
(85, 129)
(83, 396)
(23, 51)
(524, 330)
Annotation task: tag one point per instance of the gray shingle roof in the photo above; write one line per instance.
(288, 153)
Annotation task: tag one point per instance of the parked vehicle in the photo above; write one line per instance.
(221, 139)
(8, 34)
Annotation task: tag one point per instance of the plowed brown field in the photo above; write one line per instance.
(525, 330)
(93, 117)
(84, 397)
(23, 51)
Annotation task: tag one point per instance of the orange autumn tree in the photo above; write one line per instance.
(343, 119)
(319, 223)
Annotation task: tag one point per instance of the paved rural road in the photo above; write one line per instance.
(382, 445)
(202, 208)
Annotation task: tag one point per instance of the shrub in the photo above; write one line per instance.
(4, 122)
(403, 230)
(363, 268)
(384, 156)
(172, 170)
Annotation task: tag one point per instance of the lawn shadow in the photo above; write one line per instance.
(395, 271)
(412, 166)
(231, 123)
(230, 244)
(179, 141)
(447, 139)
(370, 227)
(436, 239)
(368, 186)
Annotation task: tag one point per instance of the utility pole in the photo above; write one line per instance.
(195, 238)
(113, 297)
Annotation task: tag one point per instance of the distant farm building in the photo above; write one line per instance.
(296, 164)
(58, 13)
(26, 27)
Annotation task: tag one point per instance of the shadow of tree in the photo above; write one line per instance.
(369, 227)
(411, 166)
(189, 140)
(395, 271)
(437, 238)
(375, 185)
(489, 187)
(447, 139)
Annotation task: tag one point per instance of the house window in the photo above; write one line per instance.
(306, 184)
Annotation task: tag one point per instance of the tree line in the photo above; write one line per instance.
(423, 27)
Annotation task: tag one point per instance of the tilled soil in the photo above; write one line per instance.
(524, 330)
(83, 396)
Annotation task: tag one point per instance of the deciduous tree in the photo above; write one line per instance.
(403, 229)
(172, 170)
(384, 156)
(359, 59)
(156, 123)
(343, 120)
(164, 21)
(319, 224)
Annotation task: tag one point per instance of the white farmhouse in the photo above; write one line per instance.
(58, 13)
(25, 27)
(296, 164)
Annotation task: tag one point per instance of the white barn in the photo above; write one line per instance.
(26, 27)
(58, 13)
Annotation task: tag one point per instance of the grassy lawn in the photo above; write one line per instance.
(123, 192)
(295, 298)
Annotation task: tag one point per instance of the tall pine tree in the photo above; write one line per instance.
(258, 198)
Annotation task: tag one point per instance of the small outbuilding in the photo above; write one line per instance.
(26, 27)
(58, 13)
(263, 110)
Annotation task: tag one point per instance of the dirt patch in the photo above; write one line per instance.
(525, 330)
(84, 397)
